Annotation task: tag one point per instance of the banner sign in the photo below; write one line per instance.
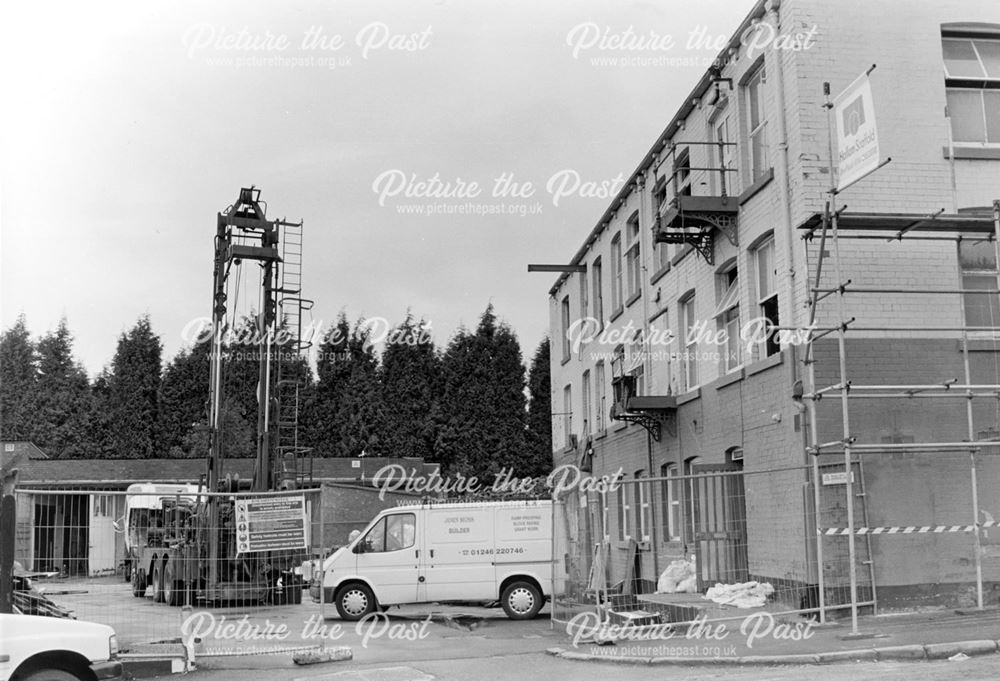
(270, 524)
(857, 138)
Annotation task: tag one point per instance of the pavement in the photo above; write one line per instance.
(760, 638)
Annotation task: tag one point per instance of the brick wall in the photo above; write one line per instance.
(755, 411)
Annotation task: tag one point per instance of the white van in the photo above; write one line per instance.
(440, 552)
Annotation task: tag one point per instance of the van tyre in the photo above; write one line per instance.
(138, 582)
(354, 601)
(521, 600)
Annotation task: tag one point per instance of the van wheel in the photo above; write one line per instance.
(158, 582)
(138, 582)
(354, 601)
(521, 600)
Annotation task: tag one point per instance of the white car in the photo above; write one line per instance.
(53, 649)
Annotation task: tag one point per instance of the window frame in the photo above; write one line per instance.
(624, 510)
(643, 507)
(633, 265)
(567, 414)
(672, 504)
(689, 360)
(983, 85)
(725, 154)
(565, 319)
(633, 278)
(659, 198)
(617, 290)
(600, 394)
(754, 91)
(977, 271)
(728, 318)
(585, 399)
(662, 355)
(383, 524)
(767, 303)
(681, 172)
(596, 277)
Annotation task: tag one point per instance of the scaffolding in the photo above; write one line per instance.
(830, 228)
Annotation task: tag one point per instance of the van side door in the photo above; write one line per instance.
(459, 561)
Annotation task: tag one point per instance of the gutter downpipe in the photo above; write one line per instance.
(647, 362)
(771, 8)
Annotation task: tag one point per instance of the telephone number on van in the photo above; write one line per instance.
(490, 552)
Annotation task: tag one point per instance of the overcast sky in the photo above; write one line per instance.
(127, 126)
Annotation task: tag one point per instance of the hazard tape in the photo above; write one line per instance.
(911, 529)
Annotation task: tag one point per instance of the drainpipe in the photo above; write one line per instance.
(781, 165)
(776, 67)
(647, 360)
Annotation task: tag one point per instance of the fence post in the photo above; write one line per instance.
(322, 556)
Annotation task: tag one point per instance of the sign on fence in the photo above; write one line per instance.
(837, 478)
(270, 524)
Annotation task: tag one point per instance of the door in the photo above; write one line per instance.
(459, 564)
(389, 559)
(719, 524)
(101, 549)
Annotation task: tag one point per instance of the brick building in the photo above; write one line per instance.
(707, 236)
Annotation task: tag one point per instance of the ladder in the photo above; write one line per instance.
(293, 462)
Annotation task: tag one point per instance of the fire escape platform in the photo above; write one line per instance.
(693, 219)
(652, 412)
(641, 403)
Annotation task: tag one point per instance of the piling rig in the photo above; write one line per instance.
(183, 543)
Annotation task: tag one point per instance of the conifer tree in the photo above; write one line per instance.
(18, 381)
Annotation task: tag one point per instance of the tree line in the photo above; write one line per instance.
(471, 405)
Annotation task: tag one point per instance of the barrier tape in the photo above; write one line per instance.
(911, 529)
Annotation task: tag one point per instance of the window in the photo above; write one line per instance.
(644, 520)
(634, 362)
(689, 502)
(767, 295)
(565, 328)
(102, 506)
(689, 337)
(979, 272)
(662, 348)
(392, 533)
(757, 123)
(624, 509)
(972, 74)
(616, 272)
(567, 415)
(585, 397)
(600, 397)
(633, 267)
(583, 295)
(634, 270)
(671, 502)
(725, 159)
(632, 228)
(682, 173)
(727, 316)
(595, 271)
(659, 206)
